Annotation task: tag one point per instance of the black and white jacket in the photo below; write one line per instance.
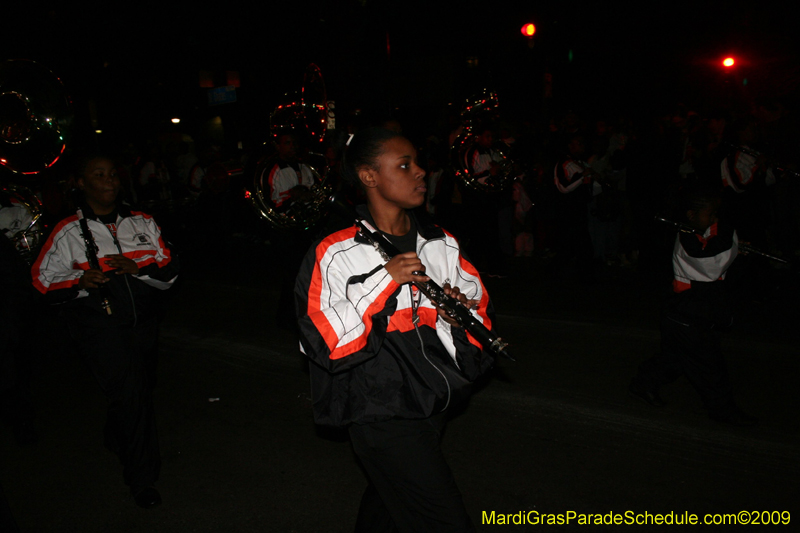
(62, 261)
(372, 362)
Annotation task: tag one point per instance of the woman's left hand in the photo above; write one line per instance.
(454, 292)
(122, 264)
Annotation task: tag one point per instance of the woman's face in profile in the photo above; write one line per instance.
(399, 179)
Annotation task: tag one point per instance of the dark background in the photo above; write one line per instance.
(555, 431)
(132, 66)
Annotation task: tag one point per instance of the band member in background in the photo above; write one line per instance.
(484, 162)
(698, 308)
(574, 183)
(488, 246)
(103, 266)
(745, 177)
(387, 364)
(289, 181)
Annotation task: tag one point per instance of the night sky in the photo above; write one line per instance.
(139, 62)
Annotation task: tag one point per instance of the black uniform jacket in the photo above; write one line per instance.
(371, 361)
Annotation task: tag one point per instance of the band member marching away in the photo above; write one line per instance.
(103, 266)
(386, 363)
(698, 308)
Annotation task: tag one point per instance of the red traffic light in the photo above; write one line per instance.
(528, 30)
(728, 62)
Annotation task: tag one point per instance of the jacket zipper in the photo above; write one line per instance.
(415, 321)
(127, 284)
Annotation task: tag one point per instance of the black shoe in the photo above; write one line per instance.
(643, 392)
(147, 498)
(731, 414)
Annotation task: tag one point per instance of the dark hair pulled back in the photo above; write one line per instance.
(363, 151)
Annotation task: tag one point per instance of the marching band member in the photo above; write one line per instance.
(575, 186)
(387, 364)
(103, 266)
(290, 182)
(289, 179)
(698, 308)
(745, 177)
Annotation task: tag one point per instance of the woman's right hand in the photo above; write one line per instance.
(92, 279)
(402, 267)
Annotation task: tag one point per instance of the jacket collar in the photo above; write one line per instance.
(425, 226)
(123, 210)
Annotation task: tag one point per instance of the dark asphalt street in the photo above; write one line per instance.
(555, 432)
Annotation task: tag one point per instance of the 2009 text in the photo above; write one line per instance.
(632, 518)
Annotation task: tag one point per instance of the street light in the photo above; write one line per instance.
(728, 62)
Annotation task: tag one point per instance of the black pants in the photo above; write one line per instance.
(692, 349)
(573, 243)
(411, 487)
(17, 356)
(123, 360)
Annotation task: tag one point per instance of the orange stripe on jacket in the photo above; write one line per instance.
(315, 290)
(318, 317)
(403, 319)
(35, 269)
(467, 267)
(359, 343)
(161, 244)
(680, 286)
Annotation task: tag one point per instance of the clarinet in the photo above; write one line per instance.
(91, 257)
(744, 247)
(755, 153)
(452, 306)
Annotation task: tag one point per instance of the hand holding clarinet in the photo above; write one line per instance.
(407, 268)
(451, 304)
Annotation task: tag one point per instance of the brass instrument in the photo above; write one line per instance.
(602, 178)
(744, 247)
(301, 214)
(20, 220)
(480, 110)
(453, 307)
(34, 112)
(306, 116)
